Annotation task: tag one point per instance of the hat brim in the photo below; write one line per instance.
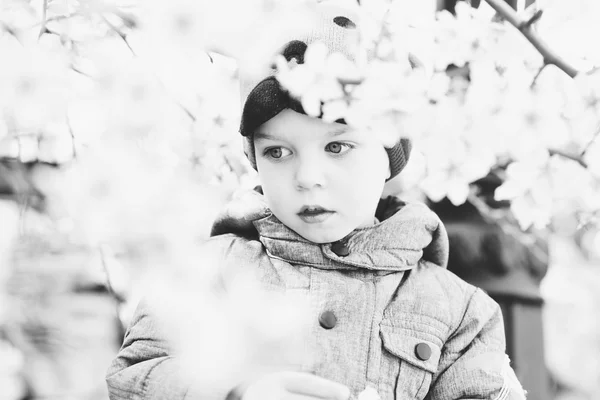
(264, 102)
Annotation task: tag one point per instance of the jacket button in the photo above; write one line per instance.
(340, 248)
(327, 319)
(423, 351)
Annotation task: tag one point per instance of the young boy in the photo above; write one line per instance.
(390, 316)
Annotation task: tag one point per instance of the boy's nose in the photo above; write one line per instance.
(309, 174)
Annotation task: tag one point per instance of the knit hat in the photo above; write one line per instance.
(263, 97)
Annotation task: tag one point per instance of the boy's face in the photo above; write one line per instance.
(322, 180)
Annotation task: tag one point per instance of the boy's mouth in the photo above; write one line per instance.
(314, 214)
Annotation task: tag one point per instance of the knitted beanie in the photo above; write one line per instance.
(263, 97)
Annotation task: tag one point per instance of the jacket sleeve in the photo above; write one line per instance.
(145, 367)
(473, 363)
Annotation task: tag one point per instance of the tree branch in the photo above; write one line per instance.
(525, 27)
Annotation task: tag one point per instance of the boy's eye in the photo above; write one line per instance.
(338, 147)
(276, 152)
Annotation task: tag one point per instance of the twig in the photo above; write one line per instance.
(577, 158)
(73, 147)
(44, 15)
(185, 110)
(590, 143)
(534, 18)
(77, 70)
(59, 18)
(537, 75)
(525, 27)
(123, 36)
(111, 289)
(11, 32)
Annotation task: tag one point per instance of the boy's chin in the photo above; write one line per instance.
(322, 236)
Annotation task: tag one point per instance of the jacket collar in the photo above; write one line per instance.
(398, 243)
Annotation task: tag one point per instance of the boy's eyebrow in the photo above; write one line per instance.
(338, 131)
(334, 132)
(264, 135)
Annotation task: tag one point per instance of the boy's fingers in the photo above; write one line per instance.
(312, 385)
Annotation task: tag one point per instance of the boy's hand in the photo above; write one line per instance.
(294, 386)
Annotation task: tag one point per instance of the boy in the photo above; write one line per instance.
(390, 316)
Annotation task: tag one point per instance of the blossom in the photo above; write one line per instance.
(533, 208)
(372, 15)
(455, 155)
(126, 95)
(589, 87)
(389, 93)
(34, 85)
(317, 80)
(565, 27)
(254, 329)
(189, 26)
(451, 171)
(370, 393)
(543, 186)
(456, 37)
(521, 175)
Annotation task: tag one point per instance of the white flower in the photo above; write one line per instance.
(521, 175)
(529, 188)
(372, 17)
(178, 23)
(455, 156)
(389, 93)
(34, 85)
(529, 210)
(543, 186)
(370, 393)
(317, 80)
(589, 87)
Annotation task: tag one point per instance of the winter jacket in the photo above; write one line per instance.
(387, 314)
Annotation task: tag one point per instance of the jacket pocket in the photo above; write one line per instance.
(408, 362)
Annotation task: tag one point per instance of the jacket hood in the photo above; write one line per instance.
(404, 235)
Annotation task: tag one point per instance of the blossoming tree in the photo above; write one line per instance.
(129, 110)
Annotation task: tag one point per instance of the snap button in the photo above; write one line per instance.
(327, 319)
(423, 351)
(340, 248)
